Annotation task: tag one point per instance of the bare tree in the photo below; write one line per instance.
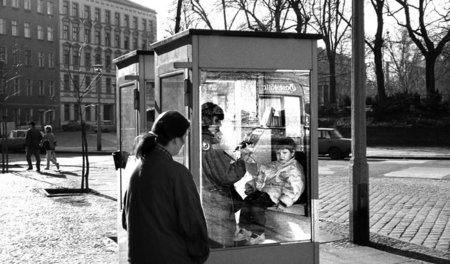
(83, 88)
(428, 26)
(330, 21)
(376, 45)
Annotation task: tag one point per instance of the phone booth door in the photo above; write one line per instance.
(255, 177)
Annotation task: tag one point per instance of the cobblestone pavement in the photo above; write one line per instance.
(62, 229)
(416, 211)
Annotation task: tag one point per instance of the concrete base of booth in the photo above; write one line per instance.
(304, 253)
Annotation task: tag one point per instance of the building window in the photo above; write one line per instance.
(144, 44)
(51, 60)
(108, 62)
(87, 112)
(87, 82)
(66, 82)
(97, 17)
(49, 8)
(41, 59)
(27, 58)
(66, 112)
(40, 32)
(2, 2)
(75, 32)
(2, 26)
(40, 6)
(107, 112)
(14, 28)
(27, 4)
(98, 86)
(66, 57)
(76, 58)
(108, 86)
(117, 19)
(28, 87)
(41, 87)
(75, 9)
(15, 3)
(127, 21)
(3, 53)
(135, 43)
(108, 39)
(107, 17)
(65, 32)
(135, 22)
(65, 8)
(51, 88)
(98, 39)
(16, 86)
(87, 35)
(26, 30)
(49, 33)
(87, 60)
(144, 24)
(117, 40)
(87, 12)
(126, 42)
(15, 57)
(98, 59)
(76, 82)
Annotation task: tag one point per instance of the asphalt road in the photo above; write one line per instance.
(392, 168)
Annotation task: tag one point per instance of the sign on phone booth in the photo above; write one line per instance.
(252, 101)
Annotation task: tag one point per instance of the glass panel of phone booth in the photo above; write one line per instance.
(172, 98)
(244, 116)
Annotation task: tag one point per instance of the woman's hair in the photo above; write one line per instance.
(285, 143)
(168, 125)
(48, 128)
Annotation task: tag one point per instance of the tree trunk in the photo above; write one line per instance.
(378, 59)
(430, 62)
(332, 78)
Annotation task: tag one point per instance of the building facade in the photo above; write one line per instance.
(57, 54)
(92, 34)
(29, 61)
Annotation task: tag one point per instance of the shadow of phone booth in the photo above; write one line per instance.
(265, 87)
(135, 105)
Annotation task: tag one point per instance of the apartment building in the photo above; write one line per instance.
(29, 49)
(92, 34)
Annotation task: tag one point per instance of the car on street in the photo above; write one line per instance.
(16, 140)
(332, 143)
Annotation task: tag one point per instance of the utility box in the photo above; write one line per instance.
(265, 85)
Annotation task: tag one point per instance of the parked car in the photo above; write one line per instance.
(16, 140)
(332, 143)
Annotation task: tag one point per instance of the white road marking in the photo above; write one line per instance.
(406, 161)
(420, 172)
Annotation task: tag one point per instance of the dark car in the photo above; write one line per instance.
(16, 140)
(332, 143)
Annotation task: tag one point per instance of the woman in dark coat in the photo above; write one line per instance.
(220, 172)
(162, 211)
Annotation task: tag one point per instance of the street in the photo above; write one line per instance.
(409, 199)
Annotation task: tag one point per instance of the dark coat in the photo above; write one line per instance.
(162, 213)
(33, 138)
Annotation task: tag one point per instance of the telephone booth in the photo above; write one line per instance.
(266, 87)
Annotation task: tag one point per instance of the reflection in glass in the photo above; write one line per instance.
(246, 117)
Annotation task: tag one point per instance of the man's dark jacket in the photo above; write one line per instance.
(33, 138)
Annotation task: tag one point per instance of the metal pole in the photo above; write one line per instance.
(99, 129)
(359, 182)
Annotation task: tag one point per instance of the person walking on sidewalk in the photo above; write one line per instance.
(32, 141)
(49, 143)
(162, 212)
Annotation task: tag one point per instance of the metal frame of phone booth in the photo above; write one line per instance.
(179, 62)
(135, 113)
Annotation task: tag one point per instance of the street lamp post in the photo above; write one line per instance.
(98, 69)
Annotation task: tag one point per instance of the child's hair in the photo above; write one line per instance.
(48, 128)
(168, 125)
(285, 143)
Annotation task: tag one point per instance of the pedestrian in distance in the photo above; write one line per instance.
(32, 141)
(162, 212)
(49, 143)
